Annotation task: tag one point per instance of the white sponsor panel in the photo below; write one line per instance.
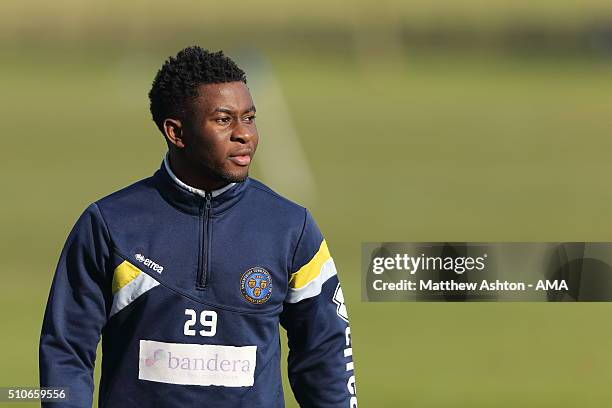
(197, 364)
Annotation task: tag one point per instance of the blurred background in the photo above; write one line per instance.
(445, 120)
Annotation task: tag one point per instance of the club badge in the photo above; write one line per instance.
(256, 285)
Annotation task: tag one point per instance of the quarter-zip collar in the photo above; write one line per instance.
(192, 202)
(194, 190)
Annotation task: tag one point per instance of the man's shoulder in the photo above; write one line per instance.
(275, 203)
(266, 193)
(136, 191)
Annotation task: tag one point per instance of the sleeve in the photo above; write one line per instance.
(76, 312)
(320, 364)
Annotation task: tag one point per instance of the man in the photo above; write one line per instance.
(188, 273)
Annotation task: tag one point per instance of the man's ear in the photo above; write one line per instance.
(173, 130)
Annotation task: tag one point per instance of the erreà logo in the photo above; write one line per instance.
(340, 306)
(149, 263)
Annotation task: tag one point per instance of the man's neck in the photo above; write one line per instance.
(183, 181)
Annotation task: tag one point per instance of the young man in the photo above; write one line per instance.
(188, 273)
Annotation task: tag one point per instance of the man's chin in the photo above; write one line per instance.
(235, 177)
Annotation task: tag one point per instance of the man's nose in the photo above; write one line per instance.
(243, 133)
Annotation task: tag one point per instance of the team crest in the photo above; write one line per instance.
(256, 285)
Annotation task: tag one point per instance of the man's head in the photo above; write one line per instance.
(201, 104)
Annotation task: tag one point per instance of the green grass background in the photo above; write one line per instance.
(421, 146)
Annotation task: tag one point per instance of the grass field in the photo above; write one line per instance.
(129, 20)
(425, 147)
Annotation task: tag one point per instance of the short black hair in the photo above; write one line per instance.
(177, 81)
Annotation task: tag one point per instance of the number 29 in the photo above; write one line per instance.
(208, 319)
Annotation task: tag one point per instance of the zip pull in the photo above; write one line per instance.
(208, 200)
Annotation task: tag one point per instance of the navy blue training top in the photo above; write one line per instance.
(188, 293)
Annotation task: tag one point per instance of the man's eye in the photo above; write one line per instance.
(223, 120)
(249, 118)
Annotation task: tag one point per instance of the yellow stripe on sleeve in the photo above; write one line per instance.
(311, 270)
(124, 274)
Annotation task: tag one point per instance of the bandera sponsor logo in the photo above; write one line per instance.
(158, 355)
(149, 263)
(176, 361)
(256, 285)
(197, 364)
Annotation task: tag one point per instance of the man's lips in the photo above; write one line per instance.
(241, 159)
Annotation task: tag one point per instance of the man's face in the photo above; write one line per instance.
(220, 135)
